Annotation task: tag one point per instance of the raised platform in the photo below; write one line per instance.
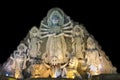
(100, 77)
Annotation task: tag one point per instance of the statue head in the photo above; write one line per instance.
(55, 17)
(22, 47)
(91, 43)
(34, 32)
(77, 30)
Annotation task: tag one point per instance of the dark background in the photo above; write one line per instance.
(99, 18)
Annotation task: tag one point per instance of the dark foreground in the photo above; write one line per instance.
(100, 77)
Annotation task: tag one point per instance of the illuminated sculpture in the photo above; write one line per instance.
(59, 48)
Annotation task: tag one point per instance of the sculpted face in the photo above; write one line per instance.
(22, 47)
(77, 30)
(34, 32)
(90, 43)
(55, 19)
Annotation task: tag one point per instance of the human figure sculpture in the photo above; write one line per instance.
(56, 45)
(19, 61)
(7, 69)
(34, 43)
(78, 44)
(92, 56)
(105, 64)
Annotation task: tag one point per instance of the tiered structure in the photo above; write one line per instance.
(58, 48)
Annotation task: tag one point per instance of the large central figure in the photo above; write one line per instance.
(60, 48)
(56, 49)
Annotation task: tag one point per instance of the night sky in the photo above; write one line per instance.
(99, 18)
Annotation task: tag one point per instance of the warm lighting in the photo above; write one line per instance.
(61, 48)
(17, 74)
